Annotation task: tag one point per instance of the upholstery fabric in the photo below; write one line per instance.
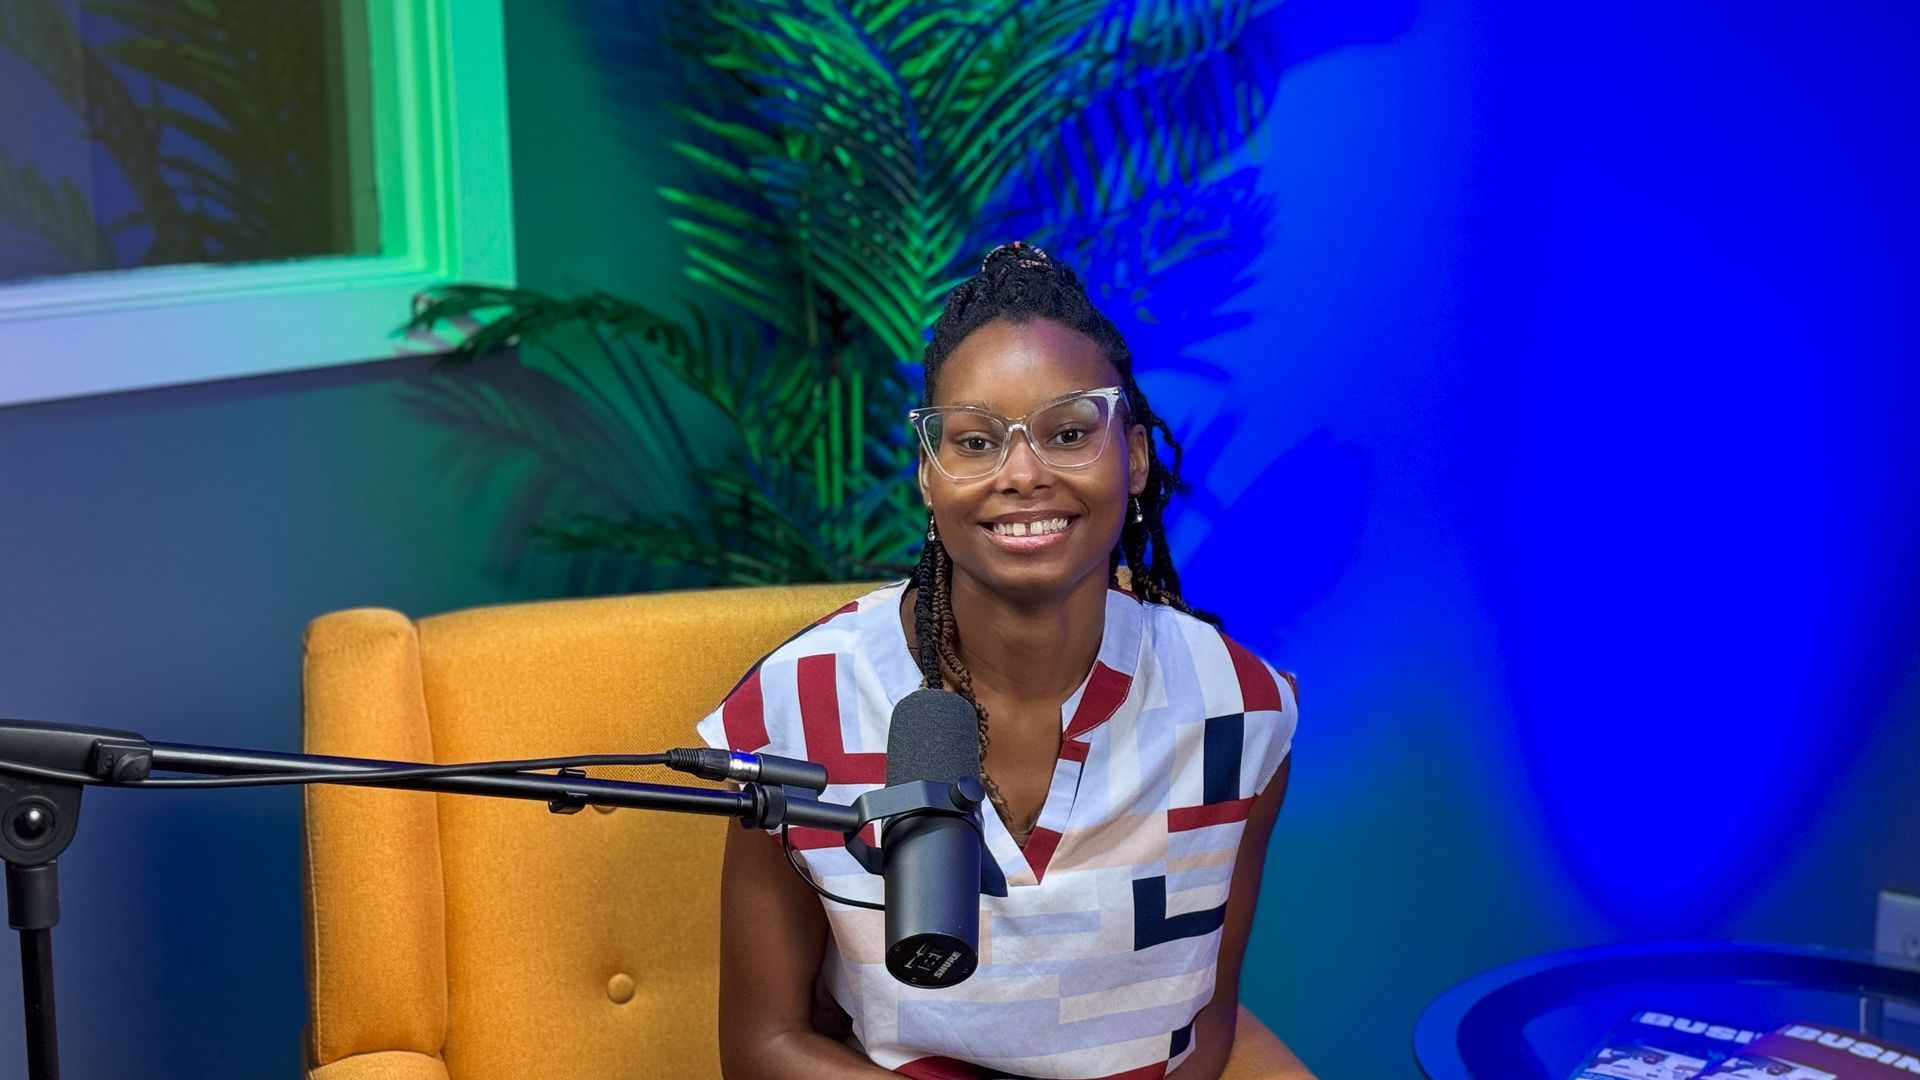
(387, 1065)
(458, 937)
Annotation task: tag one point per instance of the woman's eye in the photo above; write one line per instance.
(975, 444)
(1069, 437)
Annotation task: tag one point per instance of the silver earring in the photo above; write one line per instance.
(931, 535)
(1138, 517)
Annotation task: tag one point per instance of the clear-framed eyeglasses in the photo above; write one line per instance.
(966, 442)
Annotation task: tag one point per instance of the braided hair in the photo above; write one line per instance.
(1019, 283)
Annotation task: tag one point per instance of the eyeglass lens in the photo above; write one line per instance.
(968, 444)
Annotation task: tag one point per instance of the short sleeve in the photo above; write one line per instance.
(814, 677)
(804, 702)
(1269, 708)
(739, 722)
(1280, 734)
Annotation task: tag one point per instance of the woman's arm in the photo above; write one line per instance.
(1213, 1028)
(772, 936)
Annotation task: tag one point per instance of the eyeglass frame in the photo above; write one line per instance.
(1116, 397)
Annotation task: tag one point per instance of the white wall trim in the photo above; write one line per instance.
(438, 77)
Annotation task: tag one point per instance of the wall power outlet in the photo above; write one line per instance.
(1896, 932)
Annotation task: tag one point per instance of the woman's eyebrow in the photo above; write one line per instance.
(984, 407)
(1068, 394)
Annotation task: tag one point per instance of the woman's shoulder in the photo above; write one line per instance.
(1216, 656)
(852, 626)
(1239, 700)
(804, 678)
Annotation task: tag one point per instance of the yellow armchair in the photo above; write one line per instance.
(464, 938)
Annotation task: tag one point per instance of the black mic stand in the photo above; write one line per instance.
(44, 766)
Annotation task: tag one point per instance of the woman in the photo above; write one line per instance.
(1134, 756)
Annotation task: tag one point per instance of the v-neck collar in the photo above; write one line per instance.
(1104, 690)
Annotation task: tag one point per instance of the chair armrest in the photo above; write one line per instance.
(383, 1065)
(1259, 1055)
(375, 901)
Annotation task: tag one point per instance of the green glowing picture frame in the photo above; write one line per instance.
(440, 174)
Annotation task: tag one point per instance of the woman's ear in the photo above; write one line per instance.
(1139, 457)
(925, 498)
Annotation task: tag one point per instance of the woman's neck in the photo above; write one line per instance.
(1033, 652)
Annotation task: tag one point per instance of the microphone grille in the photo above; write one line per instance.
(935, 735)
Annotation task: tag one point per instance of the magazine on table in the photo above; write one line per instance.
(1668, 1046)
(1662, 1046)
(1812, 1052)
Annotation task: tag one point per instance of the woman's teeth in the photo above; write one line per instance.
(1028, 528)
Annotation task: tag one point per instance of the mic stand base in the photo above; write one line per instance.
(38, 818)
(33, 907)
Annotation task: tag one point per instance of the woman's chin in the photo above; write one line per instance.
(1033, 577)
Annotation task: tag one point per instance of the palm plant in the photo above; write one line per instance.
(855, 158)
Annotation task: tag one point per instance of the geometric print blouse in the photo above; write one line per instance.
(1103, 951)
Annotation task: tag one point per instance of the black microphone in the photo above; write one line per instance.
(931, 861)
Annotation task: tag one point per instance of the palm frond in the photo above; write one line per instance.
(506, 317)
(845, 159)
(56, 214)
(883, 161)
(531, 419)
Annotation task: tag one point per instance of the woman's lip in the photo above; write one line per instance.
(1030, 542)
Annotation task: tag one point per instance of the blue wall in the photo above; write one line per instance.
(1561, 448)
(1581, 479)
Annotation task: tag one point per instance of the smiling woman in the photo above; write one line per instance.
(1137, 760)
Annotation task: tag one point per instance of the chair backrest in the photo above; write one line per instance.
(475, 938)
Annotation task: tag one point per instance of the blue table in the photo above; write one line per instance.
(1538, 1018)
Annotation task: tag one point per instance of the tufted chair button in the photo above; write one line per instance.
(620, 989)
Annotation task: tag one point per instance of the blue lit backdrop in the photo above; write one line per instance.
(1558, 439)
(1567, 456)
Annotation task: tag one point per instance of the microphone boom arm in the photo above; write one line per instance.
(44, 768)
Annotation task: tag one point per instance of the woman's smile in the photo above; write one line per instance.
(1031, 530)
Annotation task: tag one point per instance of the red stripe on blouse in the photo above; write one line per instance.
(1183, 818)
(808, 838)
(745, 716)
(851, 605)
(1144, 1072)
(820, 719)
(1257, 688)
(1106, 689)
(1039, 850)
(939, 1068)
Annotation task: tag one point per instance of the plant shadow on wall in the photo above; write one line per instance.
(150, 133)
(853, 162)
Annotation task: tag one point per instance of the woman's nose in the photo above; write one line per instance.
(1023, 468)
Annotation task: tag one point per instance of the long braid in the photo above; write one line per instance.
(937, 636)
(948, 634)
(1153, 577)
(928, 650)
(1133, 547)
